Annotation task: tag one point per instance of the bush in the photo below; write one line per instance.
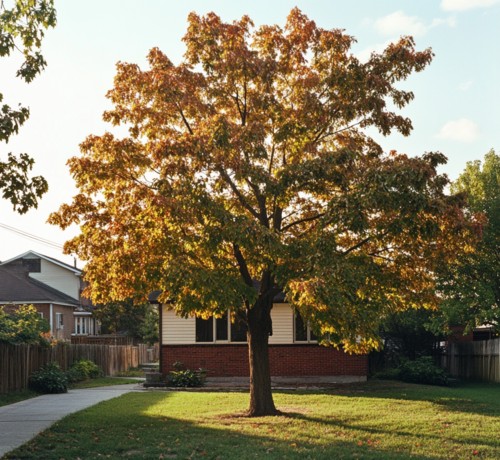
(82, 370)
(423, 370)
(24, 325)
(185, 378)
(389, 374)
(49, 379)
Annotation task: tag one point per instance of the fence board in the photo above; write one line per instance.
(17, 362)
(473, 360)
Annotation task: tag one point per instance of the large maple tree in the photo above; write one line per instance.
(250, 160)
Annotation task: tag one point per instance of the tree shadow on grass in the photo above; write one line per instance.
(467, 396)
(170, 425)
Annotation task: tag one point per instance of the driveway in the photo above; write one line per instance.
(22, 421)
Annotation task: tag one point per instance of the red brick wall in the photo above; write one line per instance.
(285, 360)
(458, 335)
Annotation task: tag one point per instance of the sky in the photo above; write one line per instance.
(455, 110)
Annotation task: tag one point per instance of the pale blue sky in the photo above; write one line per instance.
(455, 110)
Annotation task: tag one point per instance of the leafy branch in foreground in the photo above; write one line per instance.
(22, 28)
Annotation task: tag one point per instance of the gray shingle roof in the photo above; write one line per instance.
(16, 288)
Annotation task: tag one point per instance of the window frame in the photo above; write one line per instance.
(59, 321)
(214, 326)
(308, 331)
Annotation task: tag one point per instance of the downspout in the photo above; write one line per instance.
(51, 322)
(160, 334)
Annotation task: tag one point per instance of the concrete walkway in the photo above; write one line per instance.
(21, 421)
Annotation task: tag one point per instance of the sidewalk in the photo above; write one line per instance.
(22, 421)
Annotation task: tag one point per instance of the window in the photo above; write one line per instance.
(303, 332)
(32, 265)
(222, 330)
(41, 314)
(59, 321)
(205, 329)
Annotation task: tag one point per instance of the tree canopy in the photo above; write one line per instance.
(22, 28)
(250, 160)
(470, 284)
(125, 317)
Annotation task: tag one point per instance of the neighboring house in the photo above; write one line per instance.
(53, 287)
(221, 347)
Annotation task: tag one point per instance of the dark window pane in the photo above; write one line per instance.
(300, 329)
(312, 336)
(238, 332)
(205, 329)
(33, 265)
(221, 327)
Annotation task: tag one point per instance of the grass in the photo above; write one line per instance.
(16, 396)
(375, 420)
(132, 372)
(101, 382)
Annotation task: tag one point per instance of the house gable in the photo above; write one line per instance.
(51, 272)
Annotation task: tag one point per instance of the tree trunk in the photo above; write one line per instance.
(259, 327)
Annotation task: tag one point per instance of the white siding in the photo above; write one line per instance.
(282, 317)
(177, 330)
(59, 278)
(181, 331)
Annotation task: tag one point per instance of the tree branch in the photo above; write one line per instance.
(242, 265)
(306, 219)
(357, 246)
(243, 202)
(184, 119)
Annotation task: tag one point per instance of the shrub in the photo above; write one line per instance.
(84, 369)
(423, 370)
(75, 375)
(185, 378)
(389, 374)
(24, 325)
(49, 379)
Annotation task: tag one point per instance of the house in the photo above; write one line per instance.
(221, 347)
(53, 287)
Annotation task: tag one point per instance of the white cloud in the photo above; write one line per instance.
(399, 23)
(462, 5)
(465, 86)
(365, 54)
(462, 130)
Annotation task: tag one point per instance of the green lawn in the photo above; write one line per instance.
(102, 382)
(376, 420)
(16, 396)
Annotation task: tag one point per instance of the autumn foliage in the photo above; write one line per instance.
(250, 160)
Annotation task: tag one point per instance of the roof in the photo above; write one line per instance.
(50, 259)
(15, 288)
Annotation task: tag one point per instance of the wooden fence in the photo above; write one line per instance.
(474, 360)
(17, 362)
(104, 339)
